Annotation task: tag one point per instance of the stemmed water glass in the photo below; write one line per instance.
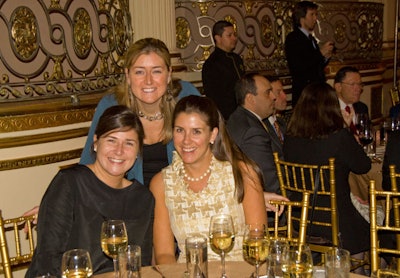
(76, 263)
(255, 245)
(297, 261)
(113, 237)
(222, 237)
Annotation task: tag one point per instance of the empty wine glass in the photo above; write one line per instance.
(113, 237)
(76, 263)
(255, 245)
(275, 257)
(222, 237)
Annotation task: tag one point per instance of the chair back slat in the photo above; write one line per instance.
(286, 232)
(23, 250)
(391, 223)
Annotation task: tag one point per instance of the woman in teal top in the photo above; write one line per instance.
(149, 91)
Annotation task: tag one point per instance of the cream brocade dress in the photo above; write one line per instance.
(190, 212)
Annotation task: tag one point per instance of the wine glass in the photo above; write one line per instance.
(297, 261)
(113, 237)
(222, 236)
(255, 245)
(275, 254)
(366, 136)
(76, 263)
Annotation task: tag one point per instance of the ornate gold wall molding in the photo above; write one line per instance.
(61, 48)
(43, 120)
(43, 138)
(33, 161)
(262, 25)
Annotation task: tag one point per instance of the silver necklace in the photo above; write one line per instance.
(187, 177)
(157, 116)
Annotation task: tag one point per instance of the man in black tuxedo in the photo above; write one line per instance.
(348, 86)
(306, 59)
(223, 68)
(249, 131)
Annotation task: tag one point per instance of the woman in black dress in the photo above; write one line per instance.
(317, 132)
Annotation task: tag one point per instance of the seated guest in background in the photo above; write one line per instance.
(209, 175)
(348, 86)
(276, 123)
(316, 133)
(80, 198)
(246, 127)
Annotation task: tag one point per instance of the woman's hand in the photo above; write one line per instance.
(268, 196)
(32, 211)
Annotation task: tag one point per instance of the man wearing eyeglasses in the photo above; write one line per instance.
(348, 86)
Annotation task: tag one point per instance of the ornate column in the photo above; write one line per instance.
(154, 18)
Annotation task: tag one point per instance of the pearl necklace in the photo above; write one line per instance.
(186, 176)
(157, 116)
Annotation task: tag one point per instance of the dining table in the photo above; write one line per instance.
(234, 269)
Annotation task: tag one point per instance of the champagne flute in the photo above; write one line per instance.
(297, 261)
(255, 245)
(222, 237)
(76, 263)
(113, 237)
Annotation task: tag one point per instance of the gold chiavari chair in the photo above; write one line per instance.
(286, 232)
(391, 223)
(23, 250)
(303, 178)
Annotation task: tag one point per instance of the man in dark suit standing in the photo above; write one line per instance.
(247, 129)
(223, 68)
(348, 86)
(306, 59)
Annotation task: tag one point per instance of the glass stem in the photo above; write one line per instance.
(223, 275)
(115, 268)
(257, 271)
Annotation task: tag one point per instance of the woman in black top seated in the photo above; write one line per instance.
(315, 133)
(80, 198)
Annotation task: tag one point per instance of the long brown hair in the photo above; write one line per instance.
(125, 96)
(223, 149)
(317, 113)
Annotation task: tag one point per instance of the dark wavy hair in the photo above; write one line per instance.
(120, 118)
(317, 113)
(223, 149)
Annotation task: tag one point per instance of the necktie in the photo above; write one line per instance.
(352, 126)
(278, 131)
(313, 41)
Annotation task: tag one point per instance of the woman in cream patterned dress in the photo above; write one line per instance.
(208, 175)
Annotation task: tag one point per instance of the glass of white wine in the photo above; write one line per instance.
(76, 263)
(113, 237)
(255, 246)
(297, 261)
(222, 237)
